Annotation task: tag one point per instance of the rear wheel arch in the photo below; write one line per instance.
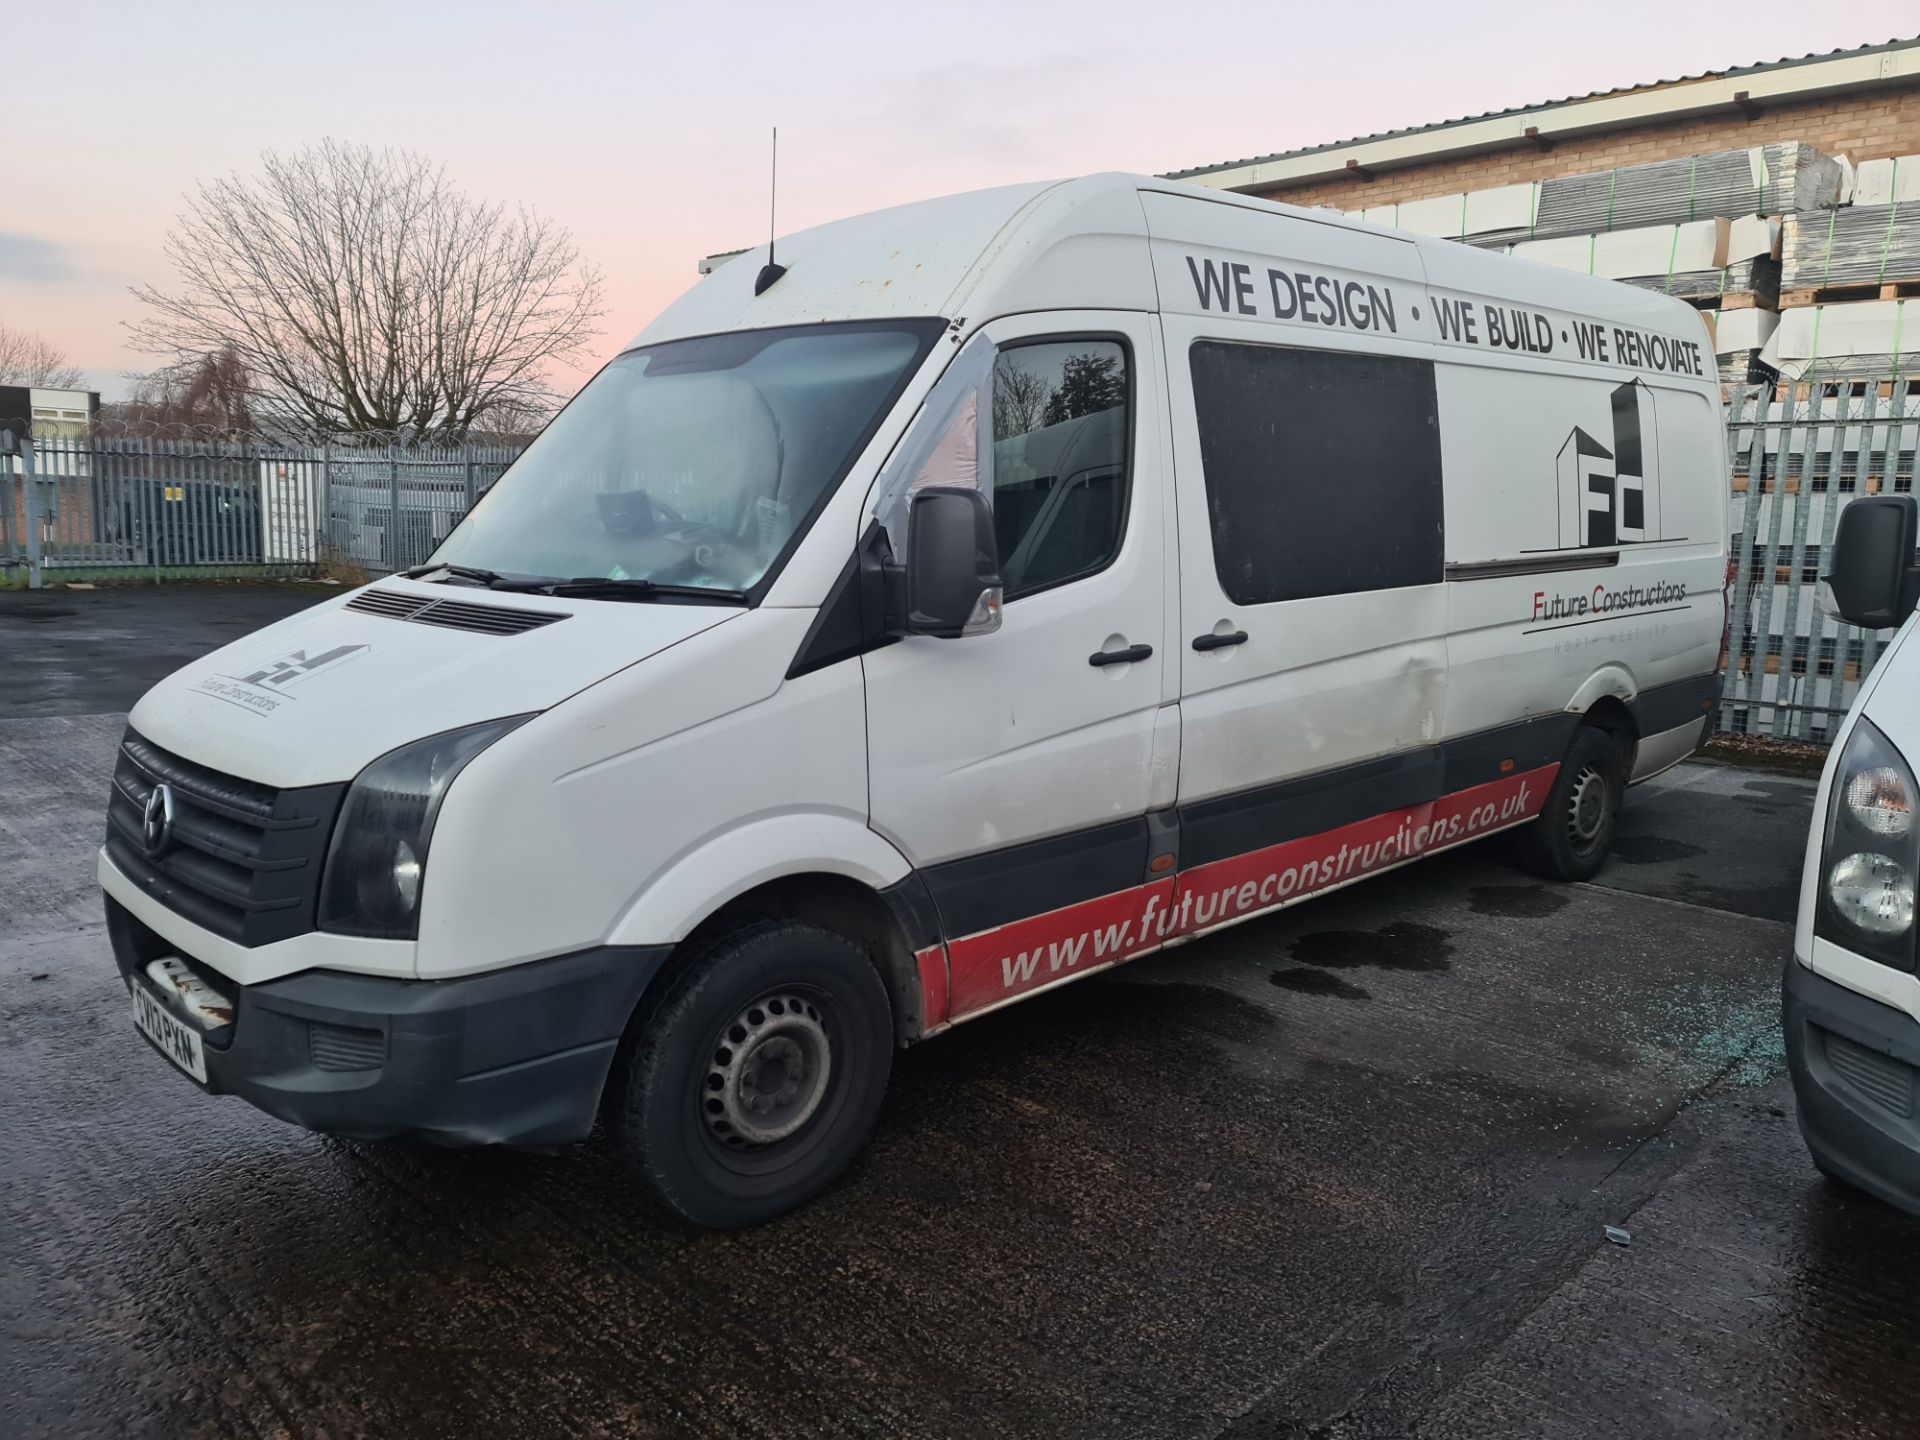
(1610, 713)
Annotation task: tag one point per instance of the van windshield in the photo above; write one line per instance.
(692, 463)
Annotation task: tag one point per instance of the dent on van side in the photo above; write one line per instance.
(1021, 583)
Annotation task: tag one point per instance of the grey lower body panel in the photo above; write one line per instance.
(1856, 1080)
(512, 1057)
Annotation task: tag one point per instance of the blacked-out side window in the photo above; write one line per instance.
(1061, 423)
(1322, 470)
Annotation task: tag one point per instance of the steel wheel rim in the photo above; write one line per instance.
(768, 1072)
(1587, 808)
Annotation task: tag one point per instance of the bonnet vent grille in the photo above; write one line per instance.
(452, 614)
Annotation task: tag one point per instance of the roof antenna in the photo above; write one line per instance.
(771, 272)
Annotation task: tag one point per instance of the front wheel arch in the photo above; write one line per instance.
(846, 907)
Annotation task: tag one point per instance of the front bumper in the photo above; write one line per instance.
(512, 1057)
(1856, 1081)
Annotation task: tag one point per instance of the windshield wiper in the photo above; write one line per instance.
(589, 587)
(491, 579)
(598, 587)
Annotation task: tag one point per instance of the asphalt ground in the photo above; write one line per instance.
(1344, 1171)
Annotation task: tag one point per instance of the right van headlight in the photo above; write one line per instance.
(377, 862)
(1869, 861)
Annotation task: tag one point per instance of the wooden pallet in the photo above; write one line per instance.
(1848, 484)
(1844, 294)
(1850, 670)
(1732, 300)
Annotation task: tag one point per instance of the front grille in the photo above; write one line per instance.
(452, 614)
(244, 860)
(1885, 1081)
(344, 1047)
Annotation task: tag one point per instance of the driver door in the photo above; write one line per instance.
(1015, 769)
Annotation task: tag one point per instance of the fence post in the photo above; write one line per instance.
(321, 538)
(468, 454)
(31, 507)
(393, 508)
(156, 505)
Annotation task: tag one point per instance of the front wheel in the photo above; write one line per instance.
(1570, 838)
(751, 1080)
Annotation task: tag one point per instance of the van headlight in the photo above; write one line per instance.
(378, 858)
(1868, 864)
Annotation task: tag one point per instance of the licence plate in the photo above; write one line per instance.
(176, 1039)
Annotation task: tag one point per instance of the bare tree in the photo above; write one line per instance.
(360, 291)
(204, 395)
(1019, 396)
(27, 359)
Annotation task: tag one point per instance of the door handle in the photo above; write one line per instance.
(1120, 657)
(1210, 641)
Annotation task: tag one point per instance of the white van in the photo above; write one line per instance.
(997, 589)
(1851, 994)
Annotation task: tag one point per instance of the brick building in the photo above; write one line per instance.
(1808, 300)
(1864, 104)
(59, 422)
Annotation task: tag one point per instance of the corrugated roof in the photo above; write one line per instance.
(1538, 108)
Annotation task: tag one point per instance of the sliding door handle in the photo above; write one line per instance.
(1120, 657)
(1210, 641)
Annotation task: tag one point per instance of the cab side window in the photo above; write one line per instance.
(1322, 470)
(1061, 430)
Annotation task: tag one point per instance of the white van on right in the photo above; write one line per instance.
(1851, 997)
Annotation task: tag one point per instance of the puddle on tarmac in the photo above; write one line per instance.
(1402, 945)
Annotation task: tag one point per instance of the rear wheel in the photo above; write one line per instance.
(751, 1080)
(1571, 837)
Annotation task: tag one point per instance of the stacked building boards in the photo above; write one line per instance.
(1887, 182)
(1868, 339)
(1765, 180)
(1739, 344)
(1490, 219)
(1728, 262)
(1854, 245)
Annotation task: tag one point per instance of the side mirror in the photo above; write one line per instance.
(953, 564)
(1874, 582)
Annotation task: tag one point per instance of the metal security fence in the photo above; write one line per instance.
(1798, 453)
(163, 509)
(167, 509)
(389, 510)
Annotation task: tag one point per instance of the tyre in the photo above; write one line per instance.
(747, 1084)
(1570, 839)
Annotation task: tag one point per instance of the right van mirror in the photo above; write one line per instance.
(953, 565)
(1873, 582)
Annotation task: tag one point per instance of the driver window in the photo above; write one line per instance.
(1060, 451)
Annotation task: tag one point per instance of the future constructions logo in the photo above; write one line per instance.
(1610, 495)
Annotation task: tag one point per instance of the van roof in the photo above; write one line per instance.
(1076, 244)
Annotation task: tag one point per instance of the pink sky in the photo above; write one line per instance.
(643, 128)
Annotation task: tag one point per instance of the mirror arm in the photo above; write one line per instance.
(1909, 592)
(883, 585)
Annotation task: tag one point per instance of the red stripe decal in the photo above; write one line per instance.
(997, 965)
